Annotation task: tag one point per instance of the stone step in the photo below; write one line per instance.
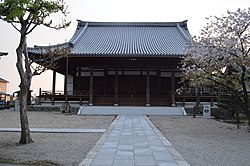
(126, 110)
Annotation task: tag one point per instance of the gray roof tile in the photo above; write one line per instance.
(126, 39)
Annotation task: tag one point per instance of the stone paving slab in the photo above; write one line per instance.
(55, 130)
(132, 140)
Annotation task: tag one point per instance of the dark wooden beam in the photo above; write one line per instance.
(159, 82)
(91, 81)
(105, 81)
(173, 103)
(122, 62)
(116, 87)
(53, 87)
(66, 81)
(148, 89)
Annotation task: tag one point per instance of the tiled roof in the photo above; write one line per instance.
(3, 53)
(3, 80)
(126, 39)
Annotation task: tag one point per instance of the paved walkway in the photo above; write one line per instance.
(132, 140)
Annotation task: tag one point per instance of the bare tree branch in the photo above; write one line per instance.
(15, 27)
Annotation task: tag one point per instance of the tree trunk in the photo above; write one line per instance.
(245, 94)
(25, 131)
(25, 76)
(197, 104)
(236, 107)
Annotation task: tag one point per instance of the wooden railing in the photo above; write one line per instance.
(58, 93)
(47, 95)
(189, 95)
(48, 92)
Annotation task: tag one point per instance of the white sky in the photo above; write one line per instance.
(194, 11)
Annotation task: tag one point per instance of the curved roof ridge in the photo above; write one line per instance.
(92, 23)
(187, 38)
(76, 36)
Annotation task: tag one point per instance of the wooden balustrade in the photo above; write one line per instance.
(81, 96)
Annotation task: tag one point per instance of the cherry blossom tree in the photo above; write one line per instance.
(221, 54)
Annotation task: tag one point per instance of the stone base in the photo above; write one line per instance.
(65, 108)
(51, 108)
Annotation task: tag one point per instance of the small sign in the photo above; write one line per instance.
(207, 111)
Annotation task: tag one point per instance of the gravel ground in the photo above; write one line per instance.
(50, 148)
(206, 142)
(201, 142)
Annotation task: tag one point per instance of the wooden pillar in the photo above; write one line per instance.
(78, 78)
(148, 89)
(173, 104)
(66, 81)
(183, 102)
(40, 92)
(212, 102)
(105, 82)
(91, 79)
(116, 87)
(159, 82)
(53, 87)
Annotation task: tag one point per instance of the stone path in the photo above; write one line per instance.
(133, 141)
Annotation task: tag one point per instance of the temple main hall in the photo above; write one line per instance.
(121, 63)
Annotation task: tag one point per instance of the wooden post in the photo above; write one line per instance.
(79, 78)
(183, 102)
(53, 87)
(91, 79)
(159, 82)
(212, 102)
(116, 87)
(148, 89)
(173, 104)
(66, 81)
(105, 81)
(40, 91)
(77, 88)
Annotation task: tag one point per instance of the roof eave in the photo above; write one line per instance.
(3, 80)
(3, 53)
(91, 23)
(129, 55)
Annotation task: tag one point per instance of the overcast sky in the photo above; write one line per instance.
(194, 11)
